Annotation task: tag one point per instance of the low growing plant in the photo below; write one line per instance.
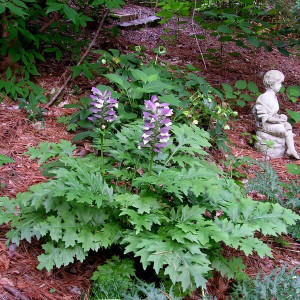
(5, 160)
(242, 92)
(294, 231)
(280, 284)
(267, 183)
(116, 279)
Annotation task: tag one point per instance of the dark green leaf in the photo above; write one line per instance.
(224, 29)
(253, 40)
(252, 87)
(241, 84)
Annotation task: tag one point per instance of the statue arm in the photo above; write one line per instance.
(265, 116)
(265, 113)
(276, 119)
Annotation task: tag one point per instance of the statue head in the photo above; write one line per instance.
(272, 78)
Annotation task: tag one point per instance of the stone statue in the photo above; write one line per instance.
(274, 133)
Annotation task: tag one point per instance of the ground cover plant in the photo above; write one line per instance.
(160, 200)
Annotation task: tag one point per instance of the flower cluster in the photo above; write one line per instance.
(156, 125)
(102, 107)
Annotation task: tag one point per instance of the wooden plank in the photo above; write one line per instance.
(152, 20)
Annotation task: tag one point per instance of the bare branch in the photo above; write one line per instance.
(79, 63)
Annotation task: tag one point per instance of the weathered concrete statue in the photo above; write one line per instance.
(270, 125)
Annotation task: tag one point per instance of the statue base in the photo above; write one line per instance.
(275, 151)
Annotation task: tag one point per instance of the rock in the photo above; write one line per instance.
(75, 290)
(276, 151)
(152, 20)
(38, 125)
(124, 17)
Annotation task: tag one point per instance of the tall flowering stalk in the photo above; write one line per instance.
(157, 125)
(103, 112)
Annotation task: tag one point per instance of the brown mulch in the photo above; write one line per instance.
(18, 266)
(17, 134)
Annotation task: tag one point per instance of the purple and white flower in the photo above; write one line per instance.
(156, 125)
(102, 107)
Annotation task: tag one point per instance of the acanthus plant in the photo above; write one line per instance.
(103, 113)
(157, 126)
(171, 221)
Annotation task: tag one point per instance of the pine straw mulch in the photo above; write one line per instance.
(18, 265)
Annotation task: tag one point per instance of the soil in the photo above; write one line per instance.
(19, 278)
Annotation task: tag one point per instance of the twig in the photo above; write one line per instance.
(79, 63)
(16, 293)
(49, 23)
(287, 249)
(167, 295)
(197, 42)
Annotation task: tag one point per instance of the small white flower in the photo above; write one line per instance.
(145, 142)
(168, 124)
(103, 127)
(235, 113)
(195, 122)
(103, 61)
(226, 127)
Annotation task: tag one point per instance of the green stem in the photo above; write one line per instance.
(102, 158)
(152, 154)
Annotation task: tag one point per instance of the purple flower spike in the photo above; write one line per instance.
(156, 125)
(102, 107)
